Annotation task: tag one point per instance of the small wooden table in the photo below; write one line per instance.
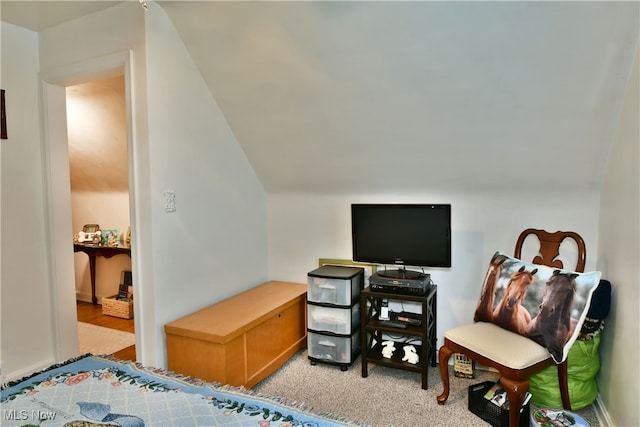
(94, 251)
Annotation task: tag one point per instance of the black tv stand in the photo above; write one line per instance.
(402, 273)
(374, 332)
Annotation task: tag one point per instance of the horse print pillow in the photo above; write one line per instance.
(543, 303)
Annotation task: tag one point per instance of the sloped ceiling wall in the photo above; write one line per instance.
(407, 96)
(97, 136)
(340, 96)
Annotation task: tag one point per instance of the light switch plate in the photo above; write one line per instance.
(169, 201)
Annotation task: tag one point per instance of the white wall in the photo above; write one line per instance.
(27, 333)
(111, 211)
(305, 227)
(215, 244)
(618, 255)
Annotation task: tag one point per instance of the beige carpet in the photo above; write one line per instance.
(387, 397)
(98, 340)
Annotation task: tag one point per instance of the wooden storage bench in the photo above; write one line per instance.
(243, 339)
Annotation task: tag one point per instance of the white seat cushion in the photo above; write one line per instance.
(498, 344)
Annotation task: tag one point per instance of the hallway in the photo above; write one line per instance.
(92, 313)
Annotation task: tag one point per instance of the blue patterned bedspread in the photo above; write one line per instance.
(95, 390)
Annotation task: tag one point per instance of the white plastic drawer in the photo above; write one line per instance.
(332, 291)
(333, 349)
(342, 321)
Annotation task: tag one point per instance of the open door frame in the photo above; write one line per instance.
(58, 192)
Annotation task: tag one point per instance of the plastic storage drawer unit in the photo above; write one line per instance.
(333, 319)
(333, 348)
(333, 314)
(335, 285)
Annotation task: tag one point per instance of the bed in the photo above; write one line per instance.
(101, 390)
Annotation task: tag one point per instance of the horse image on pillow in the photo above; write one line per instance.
(553, 325)
(543, 303)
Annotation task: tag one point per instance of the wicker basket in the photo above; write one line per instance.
(113, 307)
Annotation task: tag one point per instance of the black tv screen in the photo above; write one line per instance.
(402, 234)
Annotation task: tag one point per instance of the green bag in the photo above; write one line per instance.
(583, 365)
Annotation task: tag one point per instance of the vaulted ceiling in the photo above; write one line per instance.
(332, 96)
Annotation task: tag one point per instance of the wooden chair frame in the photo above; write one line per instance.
(516, 381)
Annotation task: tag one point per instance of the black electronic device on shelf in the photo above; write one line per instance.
(395, 324)
(407, 317)
(416, 286)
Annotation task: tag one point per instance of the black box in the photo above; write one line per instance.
(127, 278)
(490, 412)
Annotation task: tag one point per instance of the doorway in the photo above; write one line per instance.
(98, 171)
(58, 203)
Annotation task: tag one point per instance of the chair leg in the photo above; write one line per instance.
(443, 357)
(563, 382)
(516, 391)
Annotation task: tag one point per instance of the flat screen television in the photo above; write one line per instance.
(402, 235)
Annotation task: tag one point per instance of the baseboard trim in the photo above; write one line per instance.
(17, 375)
(602, 413)
(85, 297)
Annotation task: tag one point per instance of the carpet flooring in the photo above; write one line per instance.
(387, 397)
(98, 340)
